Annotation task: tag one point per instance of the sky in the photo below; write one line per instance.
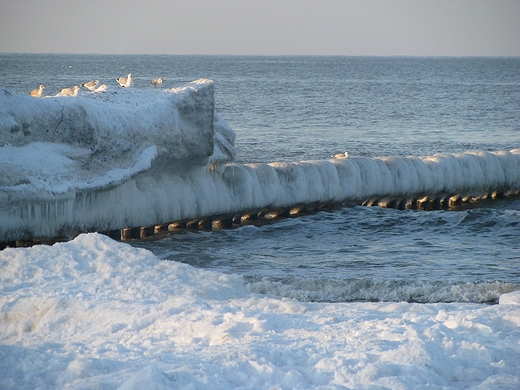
(267, 27)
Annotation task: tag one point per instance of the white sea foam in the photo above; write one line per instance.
(326, 290)
(96, 313)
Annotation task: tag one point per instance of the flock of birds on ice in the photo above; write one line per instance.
(92, 85)
(125, 82)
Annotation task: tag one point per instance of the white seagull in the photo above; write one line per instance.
(340, 155)
(101, 88)
(38, 92)
(91, 85)
(157, 82)
(125, 81)
(70, 91)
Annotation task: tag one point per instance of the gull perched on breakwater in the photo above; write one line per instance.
(70, 91)
(91, 85)
(125, 81)
(101, 88)
(38, 92)
(157, 82)
(340, 155)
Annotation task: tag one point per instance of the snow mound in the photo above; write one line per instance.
(95, 313)
(150, 378)
(512, 298)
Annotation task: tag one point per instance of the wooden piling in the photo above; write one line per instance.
(205, 224)
(455, 200)
(177, 225)
(297, 210)
(271, 214)
(436, 204)
(387, 203)
(222, 223)
(370, 202)
(130, 233)
(146, 231)
(160, 228)
(250, 216)
(193, 224)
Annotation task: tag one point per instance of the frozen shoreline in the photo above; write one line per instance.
(96, 313)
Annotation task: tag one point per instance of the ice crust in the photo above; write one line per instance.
(135, 157)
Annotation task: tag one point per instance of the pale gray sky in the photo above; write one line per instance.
(268, 27)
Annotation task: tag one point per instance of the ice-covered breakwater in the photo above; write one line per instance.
(143, 157)
(63, 159)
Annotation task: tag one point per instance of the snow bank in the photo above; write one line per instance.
(512, 298)
(94, 313)
(143, 157)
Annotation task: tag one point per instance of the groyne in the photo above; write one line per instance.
(138, 162)
(270, 215)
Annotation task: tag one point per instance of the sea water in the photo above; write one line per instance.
(301, 108)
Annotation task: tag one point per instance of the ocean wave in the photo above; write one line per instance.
(326, 290)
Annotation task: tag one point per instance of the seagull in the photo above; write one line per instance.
(157, 82)
(91, 84)
(38, 92)
(101, 88)
(70, 91)
(125, 81)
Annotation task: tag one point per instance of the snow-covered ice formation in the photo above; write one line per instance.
(63, 161)
(127, 158)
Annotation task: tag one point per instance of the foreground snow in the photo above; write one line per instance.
(94, 313)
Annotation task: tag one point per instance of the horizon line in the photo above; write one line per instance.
(274, 55)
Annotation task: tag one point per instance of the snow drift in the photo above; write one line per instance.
(112, 160)
(94, 313)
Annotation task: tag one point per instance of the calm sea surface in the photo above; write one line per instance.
(300, 108)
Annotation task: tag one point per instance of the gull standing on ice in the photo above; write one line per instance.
(38, 92)
(101, 88)
(157, 82)
(70, 91)
(125, 81)
(91, 85)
